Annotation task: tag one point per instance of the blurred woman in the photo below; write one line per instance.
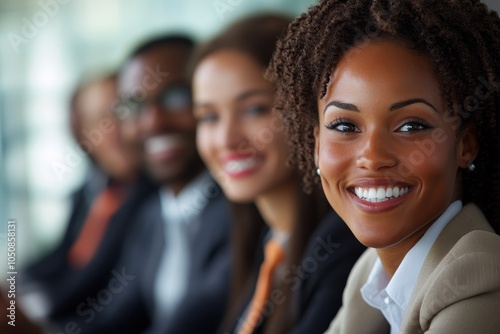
(308, 251)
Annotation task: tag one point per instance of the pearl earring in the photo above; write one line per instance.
(471, 166)
(318, 171)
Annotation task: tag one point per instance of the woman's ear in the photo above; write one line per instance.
(468, 147)
(316, 146)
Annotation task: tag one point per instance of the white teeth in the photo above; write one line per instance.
(237, 166)
(380, 194)
(163, 143)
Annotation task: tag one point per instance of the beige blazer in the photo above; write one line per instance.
(457, 291)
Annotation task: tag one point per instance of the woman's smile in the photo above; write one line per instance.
(241, 165)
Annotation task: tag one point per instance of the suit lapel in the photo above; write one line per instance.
(213, 231)
(469, 219)
(151, 219)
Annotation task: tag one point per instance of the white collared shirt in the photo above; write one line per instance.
(392, 296)
(284, 240)
(181, 216)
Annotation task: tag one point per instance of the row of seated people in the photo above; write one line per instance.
(218, 224)
(155, 244)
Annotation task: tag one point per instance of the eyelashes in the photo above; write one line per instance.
(413, 125)
(342, 125)
(207, 118)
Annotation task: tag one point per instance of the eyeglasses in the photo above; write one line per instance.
(173, 100)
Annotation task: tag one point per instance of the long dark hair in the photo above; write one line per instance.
(256, 36)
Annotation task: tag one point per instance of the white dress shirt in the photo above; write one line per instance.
(391, 296)
(181, 215)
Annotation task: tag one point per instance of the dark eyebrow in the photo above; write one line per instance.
(403, 104)
(253, 92)
(240, 97)
(341, 105)
(395, 106)
(200, 105)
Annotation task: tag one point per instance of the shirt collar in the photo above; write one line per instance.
(399, 289)
(402, 283)
(189, 202)
(281, 237)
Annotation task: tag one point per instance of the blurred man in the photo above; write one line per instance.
(54, 287)
(95, 128)
(177, 257)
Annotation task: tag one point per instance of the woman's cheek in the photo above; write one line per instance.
(203, 144)
(334, 157)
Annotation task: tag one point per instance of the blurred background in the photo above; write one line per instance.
(46, 47)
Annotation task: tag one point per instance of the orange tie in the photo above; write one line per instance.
(89, 238)
(273, 255)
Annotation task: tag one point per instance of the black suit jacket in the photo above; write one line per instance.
(81, 200)
(331, 253)
(318, 283)
(65, 287)
(204, 305)
(132, 308)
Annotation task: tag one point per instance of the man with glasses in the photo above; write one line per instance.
(176, 262)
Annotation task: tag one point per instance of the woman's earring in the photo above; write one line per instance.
(318, 171)
(471, 166)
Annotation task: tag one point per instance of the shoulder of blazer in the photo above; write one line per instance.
(212, 238)
(464, 262)
(469, 219)
(217, 206)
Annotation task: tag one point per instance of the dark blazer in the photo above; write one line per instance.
(204, 305)
(81, 201)
(457, 290)
(317, 285)
(65, 287)
(132, 307)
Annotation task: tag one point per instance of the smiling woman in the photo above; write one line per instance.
(241, 138)
(235, 126)
(380, 106)
(403, 100)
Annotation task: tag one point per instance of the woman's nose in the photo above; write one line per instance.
(230, 134)
(376, 152)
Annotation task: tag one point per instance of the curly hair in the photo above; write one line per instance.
(461, 38)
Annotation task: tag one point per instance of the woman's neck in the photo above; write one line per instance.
(391, 257)
(278, 206)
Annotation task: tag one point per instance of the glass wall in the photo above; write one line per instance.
(46, 47)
